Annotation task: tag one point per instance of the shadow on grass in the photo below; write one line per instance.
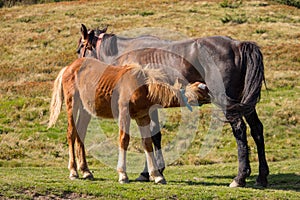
(288, 181)
(202, 183)
(94, 179)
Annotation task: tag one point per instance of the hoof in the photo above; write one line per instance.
(73, 177)
(124, 181)
(160, 180)
(123, 178)
(142, 178)
(235, 184)
(88, 176)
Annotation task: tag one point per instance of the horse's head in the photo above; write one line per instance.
(90, 39)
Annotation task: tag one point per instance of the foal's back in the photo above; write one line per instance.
(96, 82)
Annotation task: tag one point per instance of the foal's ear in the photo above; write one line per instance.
(84, 32)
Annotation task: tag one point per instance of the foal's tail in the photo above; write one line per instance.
(57, 98)
(252, 61)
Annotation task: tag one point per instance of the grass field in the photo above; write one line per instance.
(38, 40)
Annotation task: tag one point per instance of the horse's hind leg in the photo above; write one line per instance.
(239, 130)
(81, 125)
(156, 138)
(257, 133)
(144, 128)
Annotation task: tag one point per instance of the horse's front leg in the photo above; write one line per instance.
(124, 125)
(81, 125)
(239, 131)
(153, 168)
(156, 139)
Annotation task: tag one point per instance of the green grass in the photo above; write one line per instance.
(38, 40)
(184, 182)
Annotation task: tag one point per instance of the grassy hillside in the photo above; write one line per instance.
(38, 40)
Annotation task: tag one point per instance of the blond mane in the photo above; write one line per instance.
(162, 89)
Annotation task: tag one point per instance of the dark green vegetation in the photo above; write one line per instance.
(10, 3)
(38, 40)
(295, 3)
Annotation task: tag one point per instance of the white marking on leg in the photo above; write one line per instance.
(121, 168)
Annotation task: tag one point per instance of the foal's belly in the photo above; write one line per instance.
(99, 106)
(103, 107)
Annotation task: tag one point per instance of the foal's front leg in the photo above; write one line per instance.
(144, 128)
(124, 125)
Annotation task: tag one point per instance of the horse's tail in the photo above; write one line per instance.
(57, 98)
(252, 61)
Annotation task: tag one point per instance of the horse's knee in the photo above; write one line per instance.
(147, 144)
(124, 141)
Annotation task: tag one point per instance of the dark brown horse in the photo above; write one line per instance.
(234, 72)
(117, 91)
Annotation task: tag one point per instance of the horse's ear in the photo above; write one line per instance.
(102, 30)
(91, 36)
(105, 29)
(84, 32)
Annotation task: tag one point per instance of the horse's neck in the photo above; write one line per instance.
(124, 45)
(120, 45)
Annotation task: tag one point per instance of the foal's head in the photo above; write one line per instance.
(88, 42)
(197, 93)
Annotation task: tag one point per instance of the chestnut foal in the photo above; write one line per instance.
(121, 92)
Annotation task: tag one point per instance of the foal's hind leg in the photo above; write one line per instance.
(156, 139)
(239, 130)
(257, 133)
(71, 136)
(81, 125)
